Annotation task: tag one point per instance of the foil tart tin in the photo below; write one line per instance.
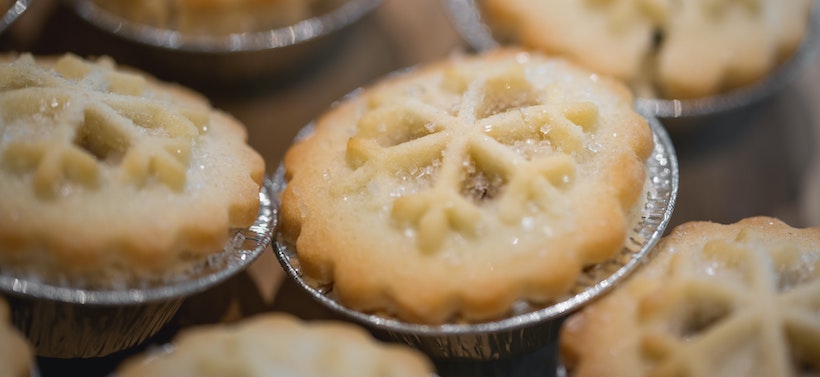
(467, 19)
(533, 329)
(237, 58)
(14, 11)
(65, 322)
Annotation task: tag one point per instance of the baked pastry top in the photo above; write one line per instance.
(213, 17)
(16, 356)
(664, 48)
(717, 300)
(453, 191)
(276, 344)
(108, 176)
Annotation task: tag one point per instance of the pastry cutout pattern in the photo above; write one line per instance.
(145, 139)
(765, 309)
(649, 43)
(450, 192)
(109, 175)
(515, 147)
(722, 300)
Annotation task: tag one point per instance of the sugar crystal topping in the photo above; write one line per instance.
(108, 126)
(738, 306)
(506, 142)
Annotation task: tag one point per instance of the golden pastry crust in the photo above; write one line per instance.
(736, 43)
(716, 300)
(452, 191)
(212, 17)
(16, 356)
(609, 37)
(277, 344)
(652, 43)
(112, 177)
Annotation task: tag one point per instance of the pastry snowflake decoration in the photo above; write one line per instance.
(104, 124)
(719, 300)
(474, 154)
(651, 44)
(109, 176)
(454, 190)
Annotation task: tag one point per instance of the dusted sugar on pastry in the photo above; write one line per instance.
(717, 300)
(276, 344)
(110, 178)
(453, 191)
(665, 48)
(213, 17)
(16, 358)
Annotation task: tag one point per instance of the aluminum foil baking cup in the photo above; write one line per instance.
(14, 12)
(66, 322)
(223, 60)
(470, 24)
(537, 327)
